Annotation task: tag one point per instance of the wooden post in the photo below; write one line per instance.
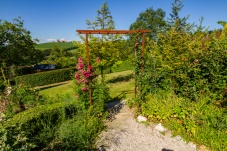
(87, 52)
(143, 43)
(136, 49)
(88, 63)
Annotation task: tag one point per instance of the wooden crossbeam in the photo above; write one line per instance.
(112, 31)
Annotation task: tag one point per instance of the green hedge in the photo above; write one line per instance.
(40, 111)
(44, 78)
(42, 121)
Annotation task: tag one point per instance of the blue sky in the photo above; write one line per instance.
(59, 19)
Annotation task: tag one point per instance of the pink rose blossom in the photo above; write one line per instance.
(83, 72)
(80, 66)
(89, 67)
(84, 80)
(84, 89)
(77, 75)
(80, 60)
(87, 75)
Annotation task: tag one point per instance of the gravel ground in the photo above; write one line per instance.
(124, 133)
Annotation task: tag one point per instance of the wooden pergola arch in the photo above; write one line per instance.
(106, 32)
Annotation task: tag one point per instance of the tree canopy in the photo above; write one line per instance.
(150, 19)
(16, 44)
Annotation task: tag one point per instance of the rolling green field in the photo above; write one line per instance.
(51, 45)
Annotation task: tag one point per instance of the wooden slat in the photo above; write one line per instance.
(112, 31)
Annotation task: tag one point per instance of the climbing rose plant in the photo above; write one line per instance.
(84, 77)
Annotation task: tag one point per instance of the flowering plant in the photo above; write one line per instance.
(84, 75)
(84, 79)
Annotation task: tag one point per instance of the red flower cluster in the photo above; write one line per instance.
(83, 76)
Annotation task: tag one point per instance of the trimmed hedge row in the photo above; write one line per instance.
(42, 121)
(44, 78)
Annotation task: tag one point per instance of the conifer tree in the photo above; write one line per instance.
(175, 21)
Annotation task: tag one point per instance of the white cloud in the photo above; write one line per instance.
(51, 40)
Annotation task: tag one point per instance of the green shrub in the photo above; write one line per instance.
(42, 121)
(190, 64)
(44, 78)
(80, 132)
(12, 138)
(202, 122)
(21, 98)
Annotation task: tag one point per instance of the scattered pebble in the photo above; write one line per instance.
(141, 118)
(160, 128)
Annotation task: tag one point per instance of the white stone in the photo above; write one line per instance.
(159, 127)
(141, 118)
(178, 138)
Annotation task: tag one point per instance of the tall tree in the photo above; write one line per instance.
(108, 48)
(150, 19)
(16, 44)
(180, 24)
(104, 20)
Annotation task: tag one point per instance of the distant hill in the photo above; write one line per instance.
(50, 45)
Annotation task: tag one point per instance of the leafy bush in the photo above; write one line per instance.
(65, 124)
(202, 122)
(44, 78)
(42, 121)
(20, 99)
(191, 64)
(80, 132)
(12, 138)
(13, 71)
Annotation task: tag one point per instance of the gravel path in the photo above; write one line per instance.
(124, 133)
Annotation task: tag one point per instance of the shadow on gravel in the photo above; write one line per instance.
(100, 149)
(115, 106)
(164, 149)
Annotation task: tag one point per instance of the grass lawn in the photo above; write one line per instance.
(54, 90)
(120, 83)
